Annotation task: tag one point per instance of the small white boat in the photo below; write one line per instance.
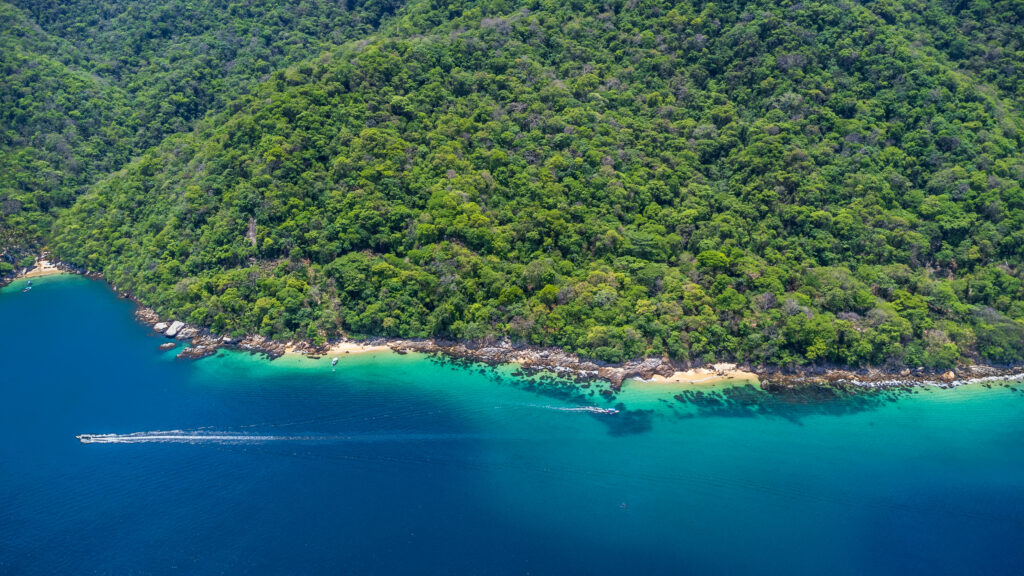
(334, 362)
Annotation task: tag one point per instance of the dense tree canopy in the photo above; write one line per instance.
(86, 84)
(778, 183)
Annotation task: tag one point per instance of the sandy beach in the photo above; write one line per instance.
(340, 348)
(356, 348)
(42, 268)
(716, 374)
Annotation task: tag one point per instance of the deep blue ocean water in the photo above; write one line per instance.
(405, 465)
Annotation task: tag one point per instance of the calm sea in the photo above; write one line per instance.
(405, 465)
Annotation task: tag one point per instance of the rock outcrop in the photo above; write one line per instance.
(261, 344)
(175, 327)
(550, 360)
(201, 346)
(307, 348)
(147, 315)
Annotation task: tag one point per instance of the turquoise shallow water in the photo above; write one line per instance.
(406, 465)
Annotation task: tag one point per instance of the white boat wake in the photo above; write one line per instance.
(210, 437)
(590, 409)
(183, 437)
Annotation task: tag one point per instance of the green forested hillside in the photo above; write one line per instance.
(983, 38)
(778, 183)
(182, 58)
(87, 84)
(62, 127)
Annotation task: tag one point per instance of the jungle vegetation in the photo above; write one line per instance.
(779, 183)
(85, 85)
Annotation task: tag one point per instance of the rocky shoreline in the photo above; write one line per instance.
(570, 366)
(879, 378)
(200, 343)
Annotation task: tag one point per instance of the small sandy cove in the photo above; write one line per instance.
(348, 347)
(355, 348)
(42, 268)
(714, 374)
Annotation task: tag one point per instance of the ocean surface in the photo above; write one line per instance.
(403, 464)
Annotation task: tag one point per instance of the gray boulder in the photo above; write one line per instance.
(176, 326)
